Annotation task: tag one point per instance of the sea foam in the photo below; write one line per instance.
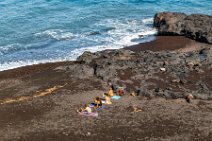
(33, 32)
(57, 34)
(113, 34)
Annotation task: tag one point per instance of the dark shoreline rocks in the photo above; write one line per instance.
(170, 74)
(161, 74)
(158, 105)
(195, 26)
(175, 90)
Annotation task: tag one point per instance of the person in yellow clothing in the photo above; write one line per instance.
(107, 98)
(110, 93)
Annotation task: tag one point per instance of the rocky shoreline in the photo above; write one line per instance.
(194, 26)
(165, 74)
(39, 102)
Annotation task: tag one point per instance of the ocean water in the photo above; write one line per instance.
(40, 31)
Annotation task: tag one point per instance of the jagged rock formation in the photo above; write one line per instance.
(166, 74)
(195, 26)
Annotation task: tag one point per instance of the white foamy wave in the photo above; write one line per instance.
(17, 64)
(127, 31)
(56, 34)
(120, 26)
(73, 56)
(133, 39)
(147, 20)
(77, 52)
(123, 42)
(124, 33)
(11, 47)
(152, 31)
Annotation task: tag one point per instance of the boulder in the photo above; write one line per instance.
(166, 22)
(86, 57)
(195, 26)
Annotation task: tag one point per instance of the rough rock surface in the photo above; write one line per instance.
(39, 103)
(195, 26)
(164, 74)
(164, 78)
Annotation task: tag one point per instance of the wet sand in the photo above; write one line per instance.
(170, 43)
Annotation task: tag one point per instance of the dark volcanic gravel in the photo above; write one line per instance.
(39, 102)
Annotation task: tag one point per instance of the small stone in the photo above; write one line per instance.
(191, 64)
(163, 69)
(88, 133)
(176, 81)
(178, 100)
(189, 97)
(200, 70)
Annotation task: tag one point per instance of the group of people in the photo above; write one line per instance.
(98, 102)
(113, 93)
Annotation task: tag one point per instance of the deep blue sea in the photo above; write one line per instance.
(40, 31)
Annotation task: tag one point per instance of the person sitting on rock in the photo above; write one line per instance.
(110, 93)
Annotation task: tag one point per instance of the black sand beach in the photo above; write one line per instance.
(169, 43)
(39, 102)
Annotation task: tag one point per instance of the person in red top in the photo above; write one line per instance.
(120, 92)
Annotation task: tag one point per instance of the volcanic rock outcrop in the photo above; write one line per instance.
(165, 74)
(195, 26)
